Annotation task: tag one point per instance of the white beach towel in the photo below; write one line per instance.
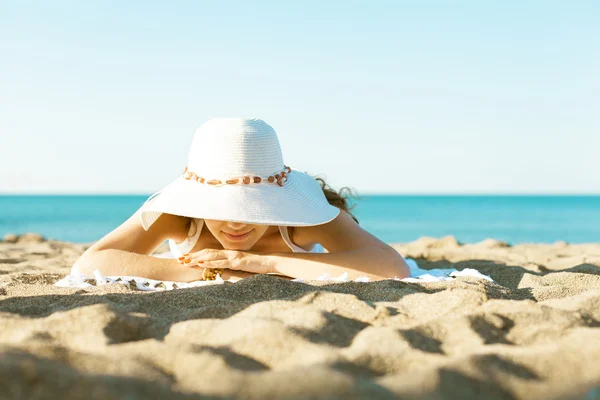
(416, 275)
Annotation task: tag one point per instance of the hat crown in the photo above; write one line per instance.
(224, 147)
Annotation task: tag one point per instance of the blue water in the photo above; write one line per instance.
(515, 219)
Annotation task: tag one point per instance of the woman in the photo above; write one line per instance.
(261, 217)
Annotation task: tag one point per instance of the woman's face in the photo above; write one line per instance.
(248, 234)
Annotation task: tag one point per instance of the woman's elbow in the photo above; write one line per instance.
(403, 270)
(399, 267)
(85, 264)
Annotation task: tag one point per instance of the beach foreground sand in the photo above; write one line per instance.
(534, 333)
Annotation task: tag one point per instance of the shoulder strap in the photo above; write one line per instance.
(179, 249)
(286, 238)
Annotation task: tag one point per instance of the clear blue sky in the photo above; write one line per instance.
(380, 96)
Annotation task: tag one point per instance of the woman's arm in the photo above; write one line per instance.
(351, 249)
(374, 262)
(112, 262)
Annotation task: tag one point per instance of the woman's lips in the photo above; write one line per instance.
(238, 237)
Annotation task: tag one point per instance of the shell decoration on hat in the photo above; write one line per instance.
(279, 178)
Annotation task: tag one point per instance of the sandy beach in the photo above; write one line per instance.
(533, 333)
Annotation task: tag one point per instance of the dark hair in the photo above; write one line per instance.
(338, 199)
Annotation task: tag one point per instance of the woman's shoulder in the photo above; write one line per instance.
(301, 236)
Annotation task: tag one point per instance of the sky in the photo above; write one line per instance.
(384, 97)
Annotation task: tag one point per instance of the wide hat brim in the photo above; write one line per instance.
(299, 202)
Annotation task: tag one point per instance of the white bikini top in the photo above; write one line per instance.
(179, 249)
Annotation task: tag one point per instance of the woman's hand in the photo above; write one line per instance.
(228, 259)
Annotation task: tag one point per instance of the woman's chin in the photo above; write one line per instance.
(237, 246)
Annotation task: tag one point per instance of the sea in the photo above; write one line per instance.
(392, 218)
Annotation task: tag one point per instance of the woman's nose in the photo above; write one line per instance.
(236, 225)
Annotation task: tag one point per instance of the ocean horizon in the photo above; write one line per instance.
(516, 219)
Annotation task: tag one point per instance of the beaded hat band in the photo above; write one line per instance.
(279, 178)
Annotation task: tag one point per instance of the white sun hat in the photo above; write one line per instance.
(235, 172)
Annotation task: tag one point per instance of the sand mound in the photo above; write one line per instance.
(534, 332)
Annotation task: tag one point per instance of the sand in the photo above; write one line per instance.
(532, 333)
